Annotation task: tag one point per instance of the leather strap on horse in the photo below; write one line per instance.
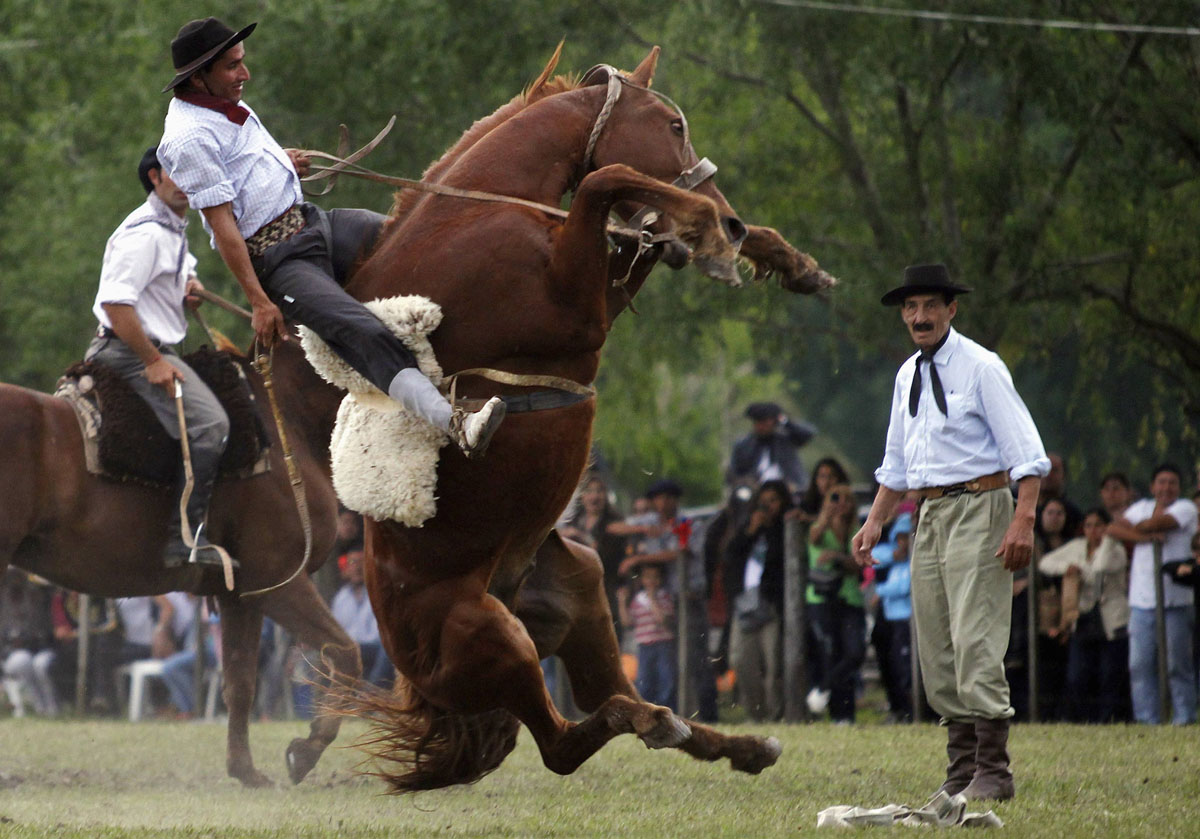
(263, 364)
(347, 167)
(185, 526)
(564, 392)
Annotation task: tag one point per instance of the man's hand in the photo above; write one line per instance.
(300, 160)
(268, 323)
(162, 373)
(1017, 547)
(190, 297)
(862, 543)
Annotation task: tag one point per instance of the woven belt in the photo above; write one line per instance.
(997, 480)
(274, 232)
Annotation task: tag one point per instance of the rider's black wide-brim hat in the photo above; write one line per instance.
(923, 279)
(200, 41)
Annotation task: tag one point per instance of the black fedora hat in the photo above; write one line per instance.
(200, 41)
(923, 279)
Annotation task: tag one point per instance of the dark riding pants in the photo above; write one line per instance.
(304, 276)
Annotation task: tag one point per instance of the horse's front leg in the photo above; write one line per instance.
(696, 221)
(299, 609)
(564, 605)
(241, 624)
(769, 253)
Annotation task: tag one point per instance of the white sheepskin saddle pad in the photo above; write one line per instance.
(384, 457)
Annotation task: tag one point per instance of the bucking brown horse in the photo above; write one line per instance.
(470, 602)
(107, 538)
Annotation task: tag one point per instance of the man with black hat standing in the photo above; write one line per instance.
(768, 452)
(290, 257)
(958, 435)
(146, 276)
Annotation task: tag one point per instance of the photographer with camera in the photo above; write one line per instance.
(835, 605)
(754, 585)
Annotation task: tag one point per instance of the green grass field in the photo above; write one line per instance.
(116, 779)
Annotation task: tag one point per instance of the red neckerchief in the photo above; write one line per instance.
(233, 112)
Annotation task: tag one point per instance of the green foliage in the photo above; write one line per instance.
(1054, 171)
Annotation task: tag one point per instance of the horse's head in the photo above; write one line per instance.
(646, 130)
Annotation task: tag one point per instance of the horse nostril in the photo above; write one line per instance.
(734, 229)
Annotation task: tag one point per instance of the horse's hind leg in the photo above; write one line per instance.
(298, 608)
(241, 624)
(488, 660)
(563, 601)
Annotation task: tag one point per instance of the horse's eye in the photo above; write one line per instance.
(677, 126)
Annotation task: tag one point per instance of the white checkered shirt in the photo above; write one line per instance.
(215, 160)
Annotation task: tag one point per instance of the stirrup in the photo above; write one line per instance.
(472, 432)
(205, 552)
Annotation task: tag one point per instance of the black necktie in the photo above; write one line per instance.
(939, 396)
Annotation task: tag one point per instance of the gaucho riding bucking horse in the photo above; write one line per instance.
(499, 299)
(471, 597)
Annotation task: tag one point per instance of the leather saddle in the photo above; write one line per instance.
(125, 440)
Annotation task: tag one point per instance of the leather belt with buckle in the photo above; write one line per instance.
(997, 480)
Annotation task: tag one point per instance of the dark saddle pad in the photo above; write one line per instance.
(132, 445)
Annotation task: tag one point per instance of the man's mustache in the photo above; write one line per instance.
(923, 326)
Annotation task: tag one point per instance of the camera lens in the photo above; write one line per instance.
(836, 497)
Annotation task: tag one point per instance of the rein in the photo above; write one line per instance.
(688, 179)
(263, 364)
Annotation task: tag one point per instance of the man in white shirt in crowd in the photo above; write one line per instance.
(351, 608)
(1170, 520)
(958, 435)
(147, 277)
(290, 257)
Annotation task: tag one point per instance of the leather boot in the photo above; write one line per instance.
(473, 431)
(960, 749)
(178, 553)
(993, 779)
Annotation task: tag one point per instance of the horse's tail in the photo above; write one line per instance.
(413, 745)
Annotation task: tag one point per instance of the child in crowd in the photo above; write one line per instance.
(652, 618)
(895, 595)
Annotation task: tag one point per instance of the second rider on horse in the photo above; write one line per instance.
(290, 257)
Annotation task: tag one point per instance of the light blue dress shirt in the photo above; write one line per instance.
(214, 160)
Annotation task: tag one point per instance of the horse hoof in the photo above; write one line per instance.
(254, 780)
(762, 754)
(667, 733)
(301, 758)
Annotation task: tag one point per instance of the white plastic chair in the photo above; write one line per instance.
(16, 696)
(138, 672)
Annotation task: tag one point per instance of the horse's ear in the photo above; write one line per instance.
(534, 90)
(644, 74)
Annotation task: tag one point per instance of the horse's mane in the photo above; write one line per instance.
(543, 86)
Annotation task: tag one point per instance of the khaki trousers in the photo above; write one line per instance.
(962, 604)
